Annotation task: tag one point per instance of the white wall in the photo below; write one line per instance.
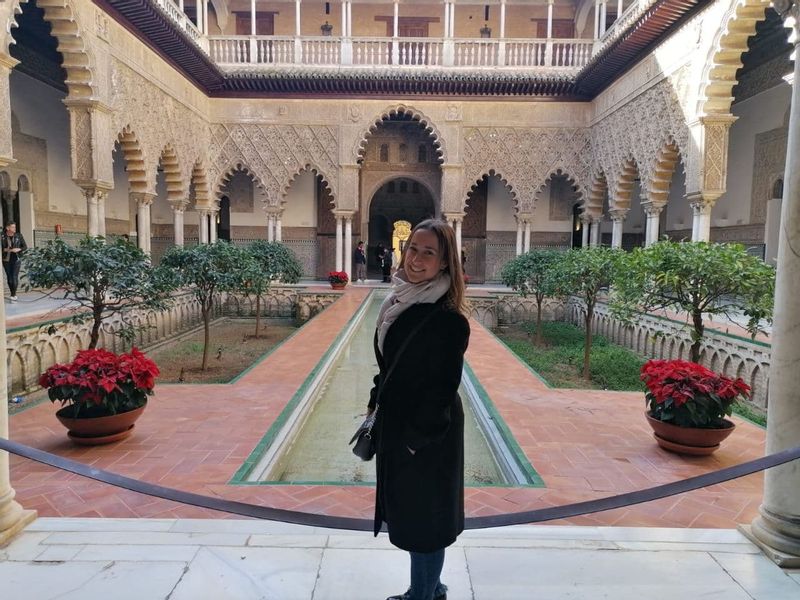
(679, 213)
(499, 207)
(763, 112)
(300, 207)
(42, 114)
(118, 201)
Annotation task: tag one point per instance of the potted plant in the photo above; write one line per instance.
(338, 279)
(102, 393)
(688, 403)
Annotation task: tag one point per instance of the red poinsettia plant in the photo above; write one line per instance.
(99, 382)
(338, 277)
(687, 394)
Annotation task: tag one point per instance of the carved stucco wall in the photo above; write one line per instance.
(639, 130)
(768, 166)
(525, 158)
(274, 154)
(157, 120)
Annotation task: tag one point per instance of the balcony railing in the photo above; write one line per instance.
(239, 51)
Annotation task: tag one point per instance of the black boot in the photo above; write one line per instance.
(407, 596)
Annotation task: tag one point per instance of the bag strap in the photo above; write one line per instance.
(400, 351)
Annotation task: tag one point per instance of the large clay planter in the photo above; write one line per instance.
(94, 431)
(338, 286)
(689, 440)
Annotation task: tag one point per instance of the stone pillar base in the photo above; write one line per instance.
(782, 559)
(26, 517)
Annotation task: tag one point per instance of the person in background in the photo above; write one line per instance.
(419, 425)
(13, 245)
(387, 265)
(463, 261)
(360, 261)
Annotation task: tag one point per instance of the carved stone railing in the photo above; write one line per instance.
(658, 337)
(230, 52)
(32, 349)
(181, 21)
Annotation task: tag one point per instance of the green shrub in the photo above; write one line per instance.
(616, 368)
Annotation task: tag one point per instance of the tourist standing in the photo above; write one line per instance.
(13, 245)
(360, 260)
(419, 427)
(386, 265)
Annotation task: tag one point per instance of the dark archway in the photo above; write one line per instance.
(400, 199)
(224, 220)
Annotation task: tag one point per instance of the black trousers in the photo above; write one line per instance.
(12, 275)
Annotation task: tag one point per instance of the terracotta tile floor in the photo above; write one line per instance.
(584, 444)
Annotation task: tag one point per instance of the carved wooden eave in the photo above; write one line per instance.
(615, 56)
(148, 23)
(621, 52)
(393, 82)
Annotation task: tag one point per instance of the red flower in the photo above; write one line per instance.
(98, 377)
(689, 394)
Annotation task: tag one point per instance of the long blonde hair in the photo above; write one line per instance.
(456, 294)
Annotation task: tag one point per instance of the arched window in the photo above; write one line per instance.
(422, 153)
(384, 157)
(777, 188)
(390, 187)
(415, 187)
(22, 184)
(403, 153)
(403, 187)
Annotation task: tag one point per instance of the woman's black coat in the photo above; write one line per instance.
(420, 496)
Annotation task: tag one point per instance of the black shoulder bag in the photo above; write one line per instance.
(364, 442)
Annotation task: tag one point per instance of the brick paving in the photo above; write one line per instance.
(584, 444)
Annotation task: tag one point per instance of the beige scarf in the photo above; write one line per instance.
(406, 294)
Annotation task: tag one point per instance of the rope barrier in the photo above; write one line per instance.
(333, 522)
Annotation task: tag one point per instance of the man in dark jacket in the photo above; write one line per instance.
(13, 245)
(360, 260)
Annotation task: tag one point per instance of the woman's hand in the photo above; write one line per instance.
(413, 452)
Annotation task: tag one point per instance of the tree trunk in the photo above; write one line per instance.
(697, 321)
(588, 342)
(538, 322)
(258, 313)
(206, 334)
(96, 323)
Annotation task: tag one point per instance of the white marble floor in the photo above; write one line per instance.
(121, 559)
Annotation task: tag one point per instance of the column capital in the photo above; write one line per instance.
(94, 192)
(142, 198)
(652, 209)
(179, 206)
(702, 202)
(618, 214)
(524, 217)
(454, 216)
(340, 213)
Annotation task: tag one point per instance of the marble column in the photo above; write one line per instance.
(701, 217)
(143, 202)
(202, 234)
(520, 228)
(348, 246)
(270, 227)
(177, 223)
(617, 222)
(278, 228)
(594, 231)
(585, 221)
(458, 222)
(653, 214)
(95, 209)
(527, 239)
(339, 243)
(212, 226)
(777, 528)
(13, 518)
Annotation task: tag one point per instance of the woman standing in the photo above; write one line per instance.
(419, 427)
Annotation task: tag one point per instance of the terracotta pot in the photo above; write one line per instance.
(338, 286)
(93, 431)
(689, 440)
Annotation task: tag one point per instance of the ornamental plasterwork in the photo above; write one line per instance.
(768, 166)
(525, 158)
(639, 130)
(274, 154)
(157, 119)
(80, 142)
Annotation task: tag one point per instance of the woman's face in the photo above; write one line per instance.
(423, 259)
